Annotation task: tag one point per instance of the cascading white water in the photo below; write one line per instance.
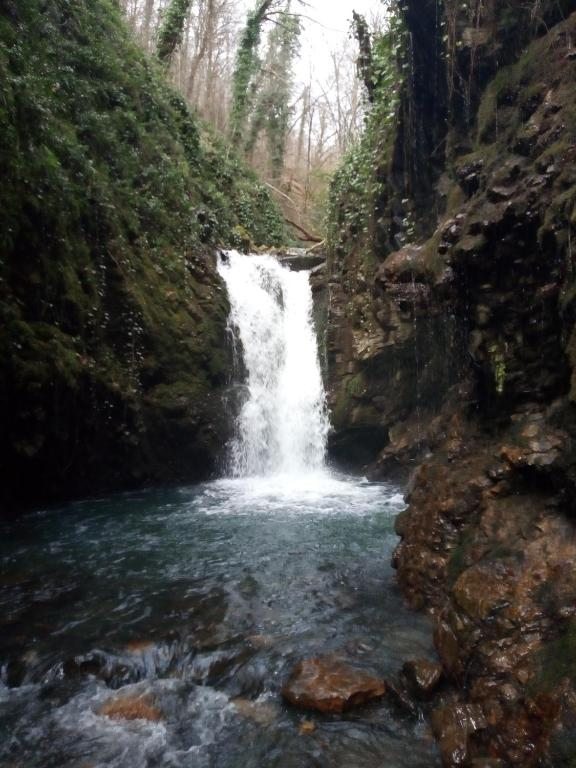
(283, 424)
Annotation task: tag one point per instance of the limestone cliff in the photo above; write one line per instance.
(452, 348)
(113, 352)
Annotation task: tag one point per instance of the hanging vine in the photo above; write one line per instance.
(170, 35)
(247, 67)
(272, 110)
(359, 182)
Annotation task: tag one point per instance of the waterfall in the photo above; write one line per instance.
(283, 423)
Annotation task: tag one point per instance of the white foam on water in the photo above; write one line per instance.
(318, 494)
(125, 743)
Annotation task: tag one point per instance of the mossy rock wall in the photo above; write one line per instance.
(113, 344)
(450, 275)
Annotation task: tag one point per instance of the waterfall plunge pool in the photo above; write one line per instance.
(201, 600)
(194, 605)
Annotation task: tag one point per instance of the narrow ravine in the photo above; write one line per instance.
(157, 628)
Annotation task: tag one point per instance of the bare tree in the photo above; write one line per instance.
(201, 42)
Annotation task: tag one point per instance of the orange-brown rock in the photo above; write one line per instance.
(139, 646)
(487, 540)
(329, 685)
(123, 707)
(483, 589)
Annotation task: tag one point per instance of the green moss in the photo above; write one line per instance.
(361, 180)
(351, 389)
(41, 353)
(494, 116)
(515, 93)
(433, 262)
(355, 385)
(497, 357)
(342, 408)
(177, 396)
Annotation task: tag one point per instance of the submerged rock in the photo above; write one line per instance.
(123, 707)
(328, 685)
(260, 712)
(307, 727)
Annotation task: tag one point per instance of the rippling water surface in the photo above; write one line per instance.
(203, 599)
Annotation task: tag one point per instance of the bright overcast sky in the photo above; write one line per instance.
(335, 15)
(326, 26)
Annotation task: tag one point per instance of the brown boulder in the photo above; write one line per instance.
(448, 648)
(482, 589)
(452, 725)
(329, 685)
(423, 676)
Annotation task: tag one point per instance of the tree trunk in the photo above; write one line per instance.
(172, 28)
(147, 23)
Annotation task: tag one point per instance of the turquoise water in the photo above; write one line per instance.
(204, 598)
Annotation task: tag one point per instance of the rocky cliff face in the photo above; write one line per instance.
(113, 353)
(455, 350)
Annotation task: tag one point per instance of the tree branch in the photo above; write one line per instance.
(308, 238)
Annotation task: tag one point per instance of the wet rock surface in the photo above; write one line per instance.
(114, 354)
(453, 724)
(490, 556)
(423, 676)
(331, 686)
(300, 259)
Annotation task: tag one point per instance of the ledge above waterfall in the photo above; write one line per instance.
(300, 260)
